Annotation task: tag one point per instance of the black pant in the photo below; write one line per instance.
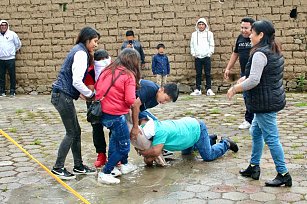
(98, 136)
(248, 115)
(10, 66)
(199, 64)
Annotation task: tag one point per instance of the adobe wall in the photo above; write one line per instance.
(48, 30)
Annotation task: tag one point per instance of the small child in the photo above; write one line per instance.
(160, 65)
(101, 61)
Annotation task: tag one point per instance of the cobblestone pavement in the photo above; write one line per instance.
(34, 123)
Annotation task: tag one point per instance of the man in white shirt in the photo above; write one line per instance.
(9, 45)
(202, 47)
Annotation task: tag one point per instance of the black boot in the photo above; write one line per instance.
(213, 139)
(232, 145)
(280, 180)
(251, 171)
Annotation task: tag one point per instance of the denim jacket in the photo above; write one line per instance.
(160, 64)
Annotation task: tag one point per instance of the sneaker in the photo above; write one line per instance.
(63, 174)
(12, 95)
(101, 160)
(167, 154)
(231, 144)
(127, 168)
(196, 93)
(210, 93)
(107, 178)
(84, 170)
(2, 95)
(245, 125)
(116, 172)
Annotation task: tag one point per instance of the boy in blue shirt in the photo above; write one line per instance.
(160, 65)
(183, 135)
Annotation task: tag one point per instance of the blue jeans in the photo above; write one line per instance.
(119, 145)
(199, 64)
(206, 151)
(72, 140)
(10, 66)
(264, 128)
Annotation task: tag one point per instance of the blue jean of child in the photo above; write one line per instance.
(145, 114)
(119, 145)
(206, 151)
(264, 128)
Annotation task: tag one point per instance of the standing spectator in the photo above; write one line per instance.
(265, 96)
(119, 81)
(9, 45)
(160, 65)
(241, 51)
(202, 47)
(68, 87)
(134, 44)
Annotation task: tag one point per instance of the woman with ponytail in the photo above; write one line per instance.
(265, 96)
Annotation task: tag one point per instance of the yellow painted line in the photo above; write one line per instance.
(45, 168)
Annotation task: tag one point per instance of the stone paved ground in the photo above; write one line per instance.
(34, 123)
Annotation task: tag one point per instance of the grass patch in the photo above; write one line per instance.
(215, 111)
(31, 114)
(294, 146)
(19, 111)
(302, 104)
(13, 129)
(36, 142)
(188, 113)
(4, 189)
(298, 156)
(305, 124)
(187, 98)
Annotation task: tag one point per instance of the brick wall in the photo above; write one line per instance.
(48, 30)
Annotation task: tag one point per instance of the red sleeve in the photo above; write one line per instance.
(89, 80)
(130, 87)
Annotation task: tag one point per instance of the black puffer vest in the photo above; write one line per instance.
(269, 95)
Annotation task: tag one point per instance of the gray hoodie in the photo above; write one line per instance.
(202, 43)
(9, 43)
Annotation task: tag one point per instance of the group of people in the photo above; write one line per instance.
(92, 75)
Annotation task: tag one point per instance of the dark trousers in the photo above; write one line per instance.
(248, 115)
(72, 139)
(10, 66)
(199, 64)
(98, 136)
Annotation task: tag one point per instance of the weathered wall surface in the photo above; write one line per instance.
(48, 30)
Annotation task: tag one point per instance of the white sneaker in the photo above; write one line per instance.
(245, 125)
(107, 178)
(210, 93)
(116, 172)
(127, 168)
(196, 93)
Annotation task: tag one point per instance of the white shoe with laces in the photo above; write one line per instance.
(196, 92)
(127, 168)
(107, 178)
(210, 93)
(116, 172)
(244, 125)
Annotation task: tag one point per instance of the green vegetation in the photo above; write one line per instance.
(30, 114)
(299, 156)
(187, 98)
(215, 111)
(302, 104)
(13, 129)
(19, 111)
(301, 81)
(36, 142)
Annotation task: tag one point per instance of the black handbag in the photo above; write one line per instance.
(94, 112)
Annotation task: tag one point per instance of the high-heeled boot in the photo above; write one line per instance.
(251, 171)
(280, 180)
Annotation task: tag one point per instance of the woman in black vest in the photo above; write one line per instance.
(69, 86)
(265, 96)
